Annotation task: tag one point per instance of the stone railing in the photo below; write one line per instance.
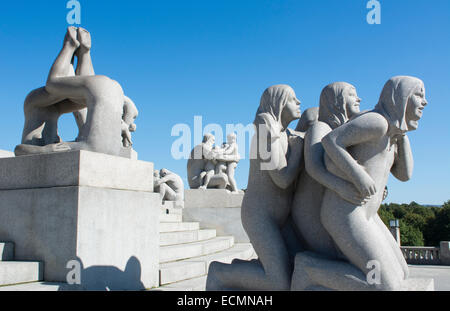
(421, 255)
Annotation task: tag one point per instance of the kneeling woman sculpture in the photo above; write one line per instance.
(276, 157)
(363, 152)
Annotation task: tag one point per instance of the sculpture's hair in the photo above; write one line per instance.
(207, 137)
(332, 108)
(165, 171)
(273, 101)
(394, 99)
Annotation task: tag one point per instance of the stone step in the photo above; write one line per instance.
(178, 226)
(196, 284)
(173, 272)
(37, 287)
(182, 237)
(6, 251)
(170, 217)
(172, 207)
(196, 249)
(16, 272)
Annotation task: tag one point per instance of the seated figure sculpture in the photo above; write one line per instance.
(169, 185)
(130, 114)
(227, 159)
(210, 167)
(97, 102)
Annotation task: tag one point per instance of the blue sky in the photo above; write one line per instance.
(179, 59)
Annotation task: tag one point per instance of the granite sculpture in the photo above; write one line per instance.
(267, 201)
(98, 103)
(169, 185)
(332, 203)
(213, 167)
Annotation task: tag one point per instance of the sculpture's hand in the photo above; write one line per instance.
(365, 184)
(296, 144)
(349, 193)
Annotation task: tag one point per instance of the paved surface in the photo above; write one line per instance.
(440, 274)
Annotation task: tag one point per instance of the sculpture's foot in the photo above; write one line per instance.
(84, 37)
(23, 149)
(212, 282)
(203, 187)
(300, 278)
(71, 37)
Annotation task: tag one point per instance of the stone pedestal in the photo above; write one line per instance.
(216, 209)
(97, 209)
(6, 154)
(445, 253)
(395, 231)
(318, 274)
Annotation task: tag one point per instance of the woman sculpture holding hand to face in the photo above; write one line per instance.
(274, 167)
(364, 151)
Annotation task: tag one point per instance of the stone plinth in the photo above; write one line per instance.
(216, 209)
(318, 274)
(77, 168)
(6, 154)
(94, 208)
(445, 253)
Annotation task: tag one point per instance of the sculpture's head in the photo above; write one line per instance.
(130, 113)
(209, 139)
(339, 102)
(156, 174)
(308, 118)
(231, 138)
(402, 101)
(278, 105)
(164, 172)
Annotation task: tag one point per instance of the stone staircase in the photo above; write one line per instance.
(186, 252)
(17, 272)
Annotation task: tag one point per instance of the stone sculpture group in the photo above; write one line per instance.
(211, 166)
(311, 215)
(310, 209)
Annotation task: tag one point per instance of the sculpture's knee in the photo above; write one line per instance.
(213, 281)
(280, 282)
(389, 283)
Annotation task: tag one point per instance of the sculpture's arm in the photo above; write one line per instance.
(230, 157)
(315, 166)
(168, 178)
(368, 127)
(230, 149)
(285, 174)
(403, 163)
(208, 153)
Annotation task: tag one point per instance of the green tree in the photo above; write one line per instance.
(410, 235)
(439, 228)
